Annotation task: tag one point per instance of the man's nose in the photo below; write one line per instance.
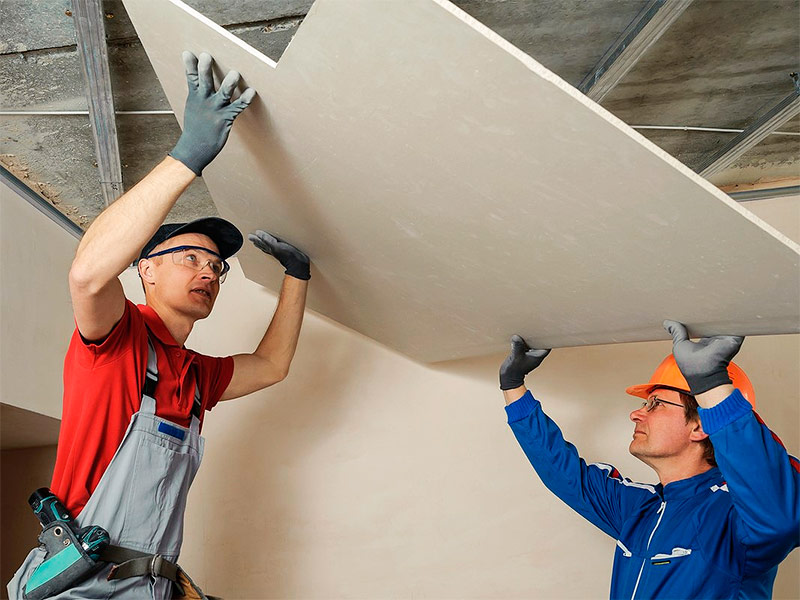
(638, 415)
(207, 272)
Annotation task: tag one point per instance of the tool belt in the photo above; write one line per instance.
(74, 553)
(132, 563)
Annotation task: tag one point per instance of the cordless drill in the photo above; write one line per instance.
(72, 553)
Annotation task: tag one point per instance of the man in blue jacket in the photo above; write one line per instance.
(726, 510)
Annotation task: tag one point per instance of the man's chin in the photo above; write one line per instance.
(202, 314)
(200, 311)
(635, 450)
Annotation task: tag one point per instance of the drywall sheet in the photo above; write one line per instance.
(451, 191)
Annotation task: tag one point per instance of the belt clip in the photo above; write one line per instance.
(155, 565)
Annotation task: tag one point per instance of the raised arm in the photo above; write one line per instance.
(269, 363)
(597, 492)
(113, 241)
(762, 478)
(115, 238)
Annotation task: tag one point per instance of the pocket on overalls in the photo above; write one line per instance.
(154, 511)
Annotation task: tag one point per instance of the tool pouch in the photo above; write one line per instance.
(71, 557)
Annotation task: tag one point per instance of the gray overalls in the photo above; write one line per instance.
(140, 500)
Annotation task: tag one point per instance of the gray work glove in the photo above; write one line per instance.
(209, 115)
(522, 360)
(704, 363)
(295, 262)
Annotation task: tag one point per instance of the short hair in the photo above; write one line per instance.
(690, 412)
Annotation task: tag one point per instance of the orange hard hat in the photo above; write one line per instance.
(667, 374)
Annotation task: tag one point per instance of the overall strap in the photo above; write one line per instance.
(197, 405)
(150, 379)
(151, 375)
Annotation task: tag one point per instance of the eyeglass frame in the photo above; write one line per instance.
(225, 266)
(656, 401)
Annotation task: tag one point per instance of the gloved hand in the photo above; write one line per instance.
(704, 363)
(295, 262)
(209, 115)
(522, 360)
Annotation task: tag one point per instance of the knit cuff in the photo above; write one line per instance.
(519, 409)
(726, 412)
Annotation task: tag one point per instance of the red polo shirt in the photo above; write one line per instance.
(103, 389)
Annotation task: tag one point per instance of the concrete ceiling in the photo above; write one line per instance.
(722, 64)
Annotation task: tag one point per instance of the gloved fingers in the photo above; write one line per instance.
(228, 85)
(263, 247)
(205, 76)
(518, 345)
(676, 330)
(277, 243)
(263, 237)
(246, 98)
(726, 345)
(190, 66)
(242, 102)
(538, 353)
(263, 241)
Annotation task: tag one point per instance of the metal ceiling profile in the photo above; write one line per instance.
(16, 186)
(93, 51)
(649, 25)
(761, 128)
(763, 194)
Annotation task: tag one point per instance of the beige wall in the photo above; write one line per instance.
(35, 310)
(21, 472)
(366, 475)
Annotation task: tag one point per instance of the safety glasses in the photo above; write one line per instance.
(197, 258)
(653, 401)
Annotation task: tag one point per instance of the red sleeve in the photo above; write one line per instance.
(215, 375)
(118, 342)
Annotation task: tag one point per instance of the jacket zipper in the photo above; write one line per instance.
(650, 539)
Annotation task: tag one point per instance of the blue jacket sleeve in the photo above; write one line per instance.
(763, 481)
(597, 492)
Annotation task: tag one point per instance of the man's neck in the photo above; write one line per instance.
(178, 325)
(676, 471)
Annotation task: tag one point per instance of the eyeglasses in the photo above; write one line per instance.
(197, 258)
(654, 401)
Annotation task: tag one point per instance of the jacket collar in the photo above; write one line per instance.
(156, 325)
(686, 488)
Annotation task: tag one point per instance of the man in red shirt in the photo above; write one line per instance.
(134, 397)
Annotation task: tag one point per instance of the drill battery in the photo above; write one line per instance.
(72, 553)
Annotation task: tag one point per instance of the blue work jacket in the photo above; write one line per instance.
(720, 534)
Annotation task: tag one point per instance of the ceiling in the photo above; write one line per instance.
(721, 64)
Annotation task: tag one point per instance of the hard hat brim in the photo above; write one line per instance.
(643, 390)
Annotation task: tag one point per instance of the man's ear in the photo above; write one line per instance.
(146, 271)
(697, 434)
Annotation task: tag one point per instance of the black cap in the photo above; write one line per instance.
(224, 234)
